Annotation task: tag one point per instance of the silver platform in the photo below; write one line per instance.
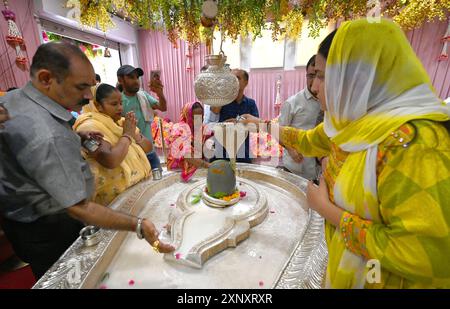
(285, 250)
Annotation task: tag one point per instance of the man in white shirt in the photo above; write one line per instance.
(209, 115)
(301, 111)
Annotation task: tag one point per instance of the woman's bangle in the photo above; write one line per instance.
(128, 137)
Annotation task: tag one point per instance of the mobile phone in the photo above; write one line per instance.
(155, 74)
(91, 145)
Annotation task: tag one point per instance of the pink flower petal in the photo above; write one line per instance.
(103, 287)
(131, 282)
(178, 256)
(172, 205)
(272, 211)
(261, 283)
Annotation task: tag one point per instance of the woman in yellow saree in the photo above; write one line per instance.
(120, 160)
(385, 191)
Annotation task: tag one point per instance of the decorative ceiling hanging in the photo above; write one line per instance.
(107, 53)
(75, 11)
(14, 37)
(188, 55)
(445, 40)
(278, 100)
(193, 20)
(216, 86)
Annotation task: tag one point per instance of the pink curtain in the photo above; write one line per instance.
(10, 74)
(427, 45)
(262, 88)
(156, 52)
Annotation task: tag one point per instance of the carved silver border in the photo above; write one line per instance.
(305, 269)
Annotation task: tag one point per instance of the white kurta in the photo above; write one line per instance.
(300, 111)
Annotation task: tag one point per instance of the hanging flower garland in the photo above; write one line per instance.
(183, 19)
(417, 12)
(444, 55)
(14, 37)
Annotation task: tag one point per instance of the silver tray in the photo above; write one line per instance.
(286, 250)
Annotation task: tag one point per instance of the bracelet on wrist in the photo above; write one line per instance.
(139, 233)
(128, 137)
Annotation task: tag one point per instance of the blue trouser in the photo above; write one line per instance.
(154, 160)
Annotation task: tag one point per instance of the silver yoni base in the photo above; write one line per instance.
(269, 239)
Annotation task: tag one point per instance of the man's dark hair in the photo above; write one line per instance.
(55, 57)
(311, 62)
(98, 78)
(324, 47)
(243, 72)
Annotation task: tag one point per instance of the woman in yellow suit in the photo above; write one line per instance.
(120, 161)
(385, 192)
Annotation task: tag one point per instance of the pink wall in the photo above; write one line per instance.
(426, 43)
(179, 87)
(10, 74)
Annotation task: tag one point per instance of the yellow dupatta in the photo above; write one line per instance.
(374, 84)
(134, 168)
(376, 88)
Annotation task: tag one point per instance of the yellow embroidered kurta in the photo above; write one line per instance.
(109, 183)
(395, 196)
(410, 230)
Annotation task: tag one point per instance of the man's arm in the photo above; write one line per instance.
(104, 217)
(58, 169)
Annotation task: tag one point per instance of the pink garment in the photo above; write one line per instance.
(181, 140)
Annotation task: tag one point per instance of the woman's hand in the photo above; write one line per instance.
(317, 196)
(319, 200)
(129, 125)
